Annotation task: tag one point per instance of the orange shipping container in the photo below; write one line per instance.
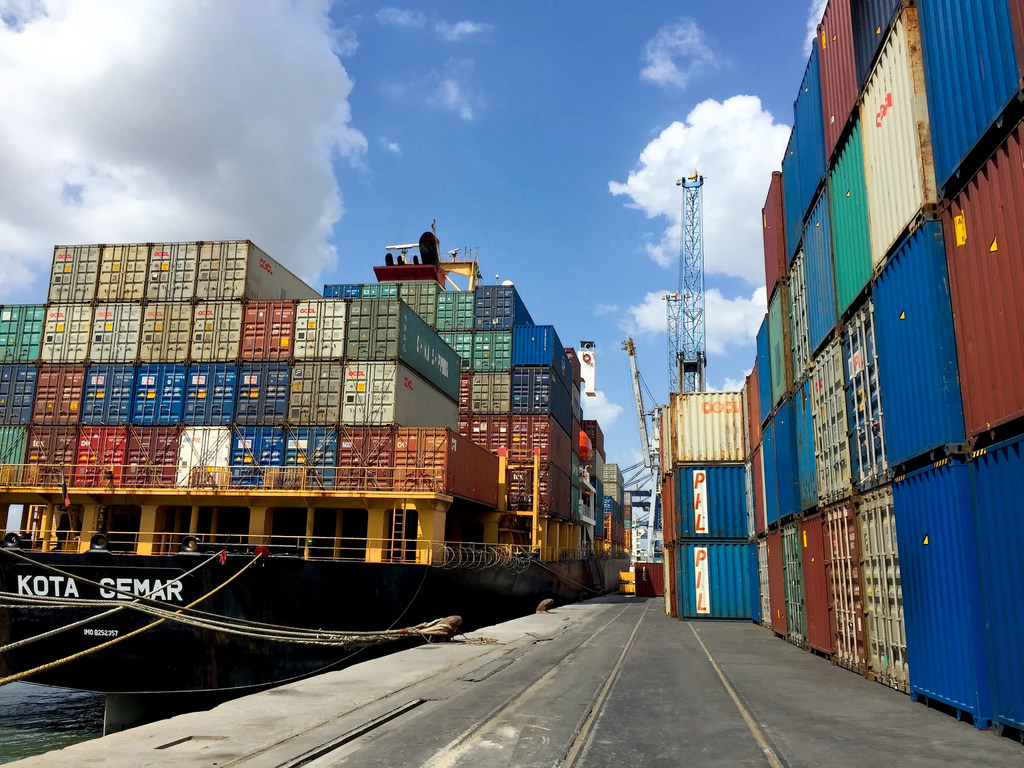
(529, 432)
(58, 394)
(268, 331)
(442, 459)
(366, 458)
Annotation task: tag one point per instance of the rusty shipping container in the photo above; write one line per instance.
(66, 333)
(74, 274)
(172, 272)
(752, 395)
(100, 458)
(366, 458)
(814, 555)
(436, 457)
(529, 432)
(238, 269)
(50, 453)
(59, 390)
(776, 583)
(465, 393)
(707, 427)
(166, 333)
(123, 272)
(838, 70)
(773, 224)
(984, 235)
(216, 331)
(491, 432)
(152, 457)
(116, 329)
(845, 603)
(554, 491)
(268, 330)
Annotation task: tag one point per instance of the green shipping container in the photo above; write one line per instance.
(851, 236)
(421, 295)
(780, 347)
(793, 570)
(492, 351)
(12, 445)
(462, 343)
(21, 332)
(379, 291)
(422, 349)
(455, 310)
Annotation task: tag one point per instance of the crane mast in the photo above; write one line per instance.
(687, 360)
(651, 449)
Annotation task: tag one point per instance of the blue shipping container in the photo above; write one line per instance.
(262, 394)
(108, 396)
(807, 471)
(540, 345)
(784, 463)
(771, 478)
(316, 450)
(971, 73)
(713, 579)
(499, 308)
(17, 393)
(342, 291)
(810, 127)
(870, 21)
(941, 588)
(253, 450)
(537, 390)
(996, 475)
(159, 394)
(210, 394)
(917, 364)
(791, 198)
(711, 501)
(821, 286)
(764, 371)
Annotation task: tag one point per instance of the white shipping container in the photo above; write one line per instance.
(238, 269)
(831, 445)
(216, 331)
(798, 316)
(320, 329)
(74, 274)
(124, 270)
(66, 333)
(898, 166)
(204, 457)
(762, 579)
(748, 487)
(172, 272)
(166, 333)
(381, 394)
(708, 427)
(115, 333)
(883, 589)
(315, 395)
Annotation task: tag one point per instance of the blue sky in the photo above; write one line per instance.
(546, 137)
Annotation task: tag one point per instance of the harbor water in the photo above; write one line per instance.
(35, 719)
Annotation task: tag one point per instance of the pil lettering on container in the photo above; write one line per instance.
(700, 502)
(700, 568)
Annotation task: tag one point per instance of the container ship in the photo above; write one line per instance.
(226, 476)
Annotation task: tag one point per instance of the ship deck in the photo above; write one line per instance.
(608, 682)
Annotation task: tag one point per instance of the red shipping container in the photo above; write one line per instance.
(465, 392)
(152, 457)
(672, 608)
(529, 432)
(58, 394)
(593, 430)
(554, 493)
(838, 70)
(268, 330)
(812, 534)
(491, 432)
(51, 452)
(649, 579)
(757, 469)
(849, 640)
(753, 400)
(439, 459)
(464, 425)
(773, 221)
(366, 458)
(984, 234)
(577, 369)
(776, 584)
(100, 458)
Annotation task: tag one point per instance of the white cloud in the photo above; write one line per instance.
(396, 17)
(600, 409)
(732, 322)
(735, 145)
(814, 14)
(676, 54)
(648, 317)
(606, 309)
(390, 146)
(163, 132)
(460, 30)
(452, 89)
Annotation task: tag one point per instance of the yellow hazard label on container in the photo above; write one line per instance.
(164, 267)
(254, 393)
(995, 246)
(360, 387)
(805, 539)
(108, 326)
(158, 326)
(74, 406)
(311, 324)
(115, 267)
(960, 228)
(201, 394)
(284, 341)
(926, 540)
(60, 327)
(150, 395)
(903, 315)
(67, 267)
(100, 394)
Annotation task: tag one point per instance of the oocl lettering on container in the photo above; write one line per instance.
(700, 573)
(730, 406)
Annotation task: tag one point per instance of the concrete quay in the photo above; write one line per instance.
(608, 682)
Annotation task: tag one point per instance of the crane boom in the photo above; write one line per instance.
(645, 440)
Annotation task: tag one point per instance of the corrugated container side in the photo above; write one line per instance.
(776, 583)
(17, 393)
(263, 390)
(499, 308)
(204, 456)
(786, 467)
(152, 457)
(465, 394)
(254, 450)
(984, 234)
(868, 462)
(366, 458)
(423, 350)
(831, 446)
(455, 310)
(972, 71)
(917, 370)
(461, 343)
(75, 273)
(814, 556)
(445, 460)
(793, 568)
(758, 483)
(780, 347)
(870, 21)
(159, 394)
(314, 451)
(166, 333)
(172, 272)
(124, 270)
(771, 476)
(66, 333)
(529, 432)
(100, 450)
(115, 333)
(382, 394)
(536, 390)
(21, 332)
(754, 580)
(945, 633)
(764, 372)
(807, 473)
(540, 345)
(210, 390)
(12, 445)
(752, 403)
(748, 489)
(763, 583)
(851, 234)
(421, 296)
(108, 394)
(669, 523)
(343, 291)
(995, 476)
(490, 393)
(52, 449)
(773, 224)
(846, 606)
(792, 200)
(320, 331)
(711, 502)
(708, 427)
(811, 129)
(491, 432)
(799, 316)
(216, 331)
(713, 580)
(821, 289)
(838, 70)
(883, 589)
(554, 491)
(379, 291)
(492, 351)
(58, 394)
(593, 429)
(898, 168)
(268, 330)
(315, 396)
(238, 269)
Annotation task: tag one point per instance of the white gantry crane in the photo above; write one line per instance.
(646, 533)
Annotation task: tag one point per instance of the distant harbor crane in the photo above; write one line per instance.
(686, 338)
(650, 445)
